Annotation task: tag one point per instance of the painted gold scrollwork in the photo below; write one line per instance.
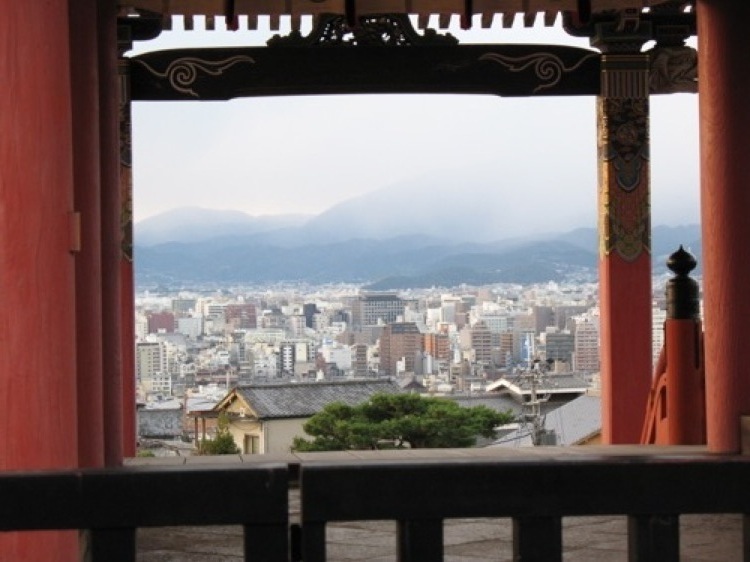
(182, 73)
(549, 68)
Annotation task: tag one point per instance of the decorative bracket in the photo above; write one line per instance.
(381, 30)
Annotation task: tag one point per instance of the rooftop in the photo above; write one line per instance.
(301, 400)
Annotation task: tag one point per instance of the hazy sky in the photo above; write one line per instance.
(305, 154)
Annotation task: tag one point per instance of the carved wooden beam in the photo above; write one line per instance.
(503, 70)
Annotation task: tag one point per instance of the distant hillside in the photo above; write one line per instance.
(193, 224)
(394, 263)
(440, 206)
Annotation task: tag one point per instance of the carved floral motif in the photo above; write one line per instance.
(625, 208)
(382, 30)
(673, 70)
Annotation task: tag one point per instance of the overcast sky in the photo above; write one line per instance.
(306, 154)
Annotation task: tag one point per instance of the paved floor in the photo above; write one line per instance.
(715, 538)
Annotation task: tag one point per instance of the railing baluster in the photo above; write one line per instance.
(537, 539)
(268, 543)
(314, 542)
(653, 538)
(295, 542)
(112, 545)
(420, 540)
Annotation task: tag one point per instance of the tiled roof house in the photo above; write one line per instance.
(267, 418)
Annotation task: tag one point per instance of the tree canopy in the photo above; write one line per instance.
(223, 443)
(399, 421)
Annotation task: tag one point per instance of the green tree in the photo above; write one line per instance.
(223, 443)
(399, 421)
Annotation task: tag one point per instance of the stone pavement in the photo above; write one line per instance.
(715, 538)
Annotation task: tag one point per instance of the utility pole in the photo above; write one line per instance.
(539, 434)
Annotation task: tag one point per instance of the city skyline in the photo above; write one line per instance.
(236, 155)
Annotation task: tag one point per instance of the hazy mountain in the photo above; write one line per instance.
(393, 263)
(389, 238)
(463, 206)
(193, 224)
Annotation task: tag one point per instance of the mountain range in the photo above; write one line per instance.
(197, 246)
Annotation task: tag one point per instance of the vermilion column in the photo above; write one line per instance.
(724, 91)
(624, 245)
(85, 81)
(38, 422)
(110, 184)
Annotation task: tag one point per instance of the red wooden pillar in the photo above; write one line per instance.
(624, 245)
(85, 88)
(110, 209)
(38, 422)
(724, 90)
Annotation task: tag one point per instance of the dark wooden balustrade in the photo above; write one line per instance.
(112, 504)
(536, 492)
(537, 488)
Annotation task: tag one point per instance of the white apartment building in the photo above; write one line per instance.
(190, 327)
(338, 354)
(658, 317)
(151, 367)
(150, 359)
(296, 325)
(287, 357)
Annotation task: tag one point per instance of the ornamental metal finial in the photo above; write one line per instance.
(683, 294)
(681, 262)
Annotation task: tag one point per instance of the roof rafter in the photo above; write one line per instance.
(507, 12)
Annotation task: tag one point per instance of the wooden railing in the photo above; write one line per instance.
(535, 488)
(112, 504)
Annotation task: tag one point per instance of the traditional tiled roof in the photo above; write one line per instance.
(573, 423)
(301, 400)
(549, 384)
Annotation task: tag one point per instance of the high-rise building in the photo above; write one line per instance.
(400, 341)
(287, 354)
(565, 314)
(241, 316)
(438, 346)
(150, 359)
(559, 346)
(161, 322)
(296, 325)
(524, 341)
(376, 308)
(543, 316)
(479, 339)
(507, 344)
(191, 327)
(293, 352)
(586, 354)
(359, 360)
(309, 310)
(659, 316)
(340, 355)
(183, 307)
